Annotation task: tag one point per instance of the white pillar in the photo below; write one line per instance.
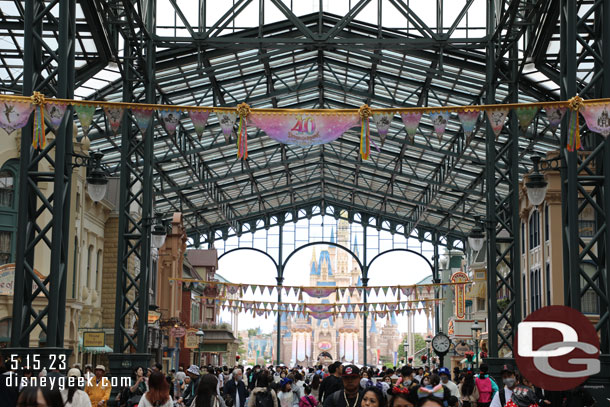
(341, 345)
(355, 339)
(294, 348)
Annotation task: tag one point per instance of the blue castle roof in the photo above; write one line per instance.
(317, 269)
(373, 326)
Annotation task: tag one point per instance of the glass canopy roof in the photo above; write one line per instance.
(312, 54)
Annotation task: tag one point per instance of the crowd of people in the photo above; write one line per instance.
(335, 385)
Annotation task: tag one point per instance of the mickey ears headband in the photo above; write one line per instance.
(437, 391)
(400, 389)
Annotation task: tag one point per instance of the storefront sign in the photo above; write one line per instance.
(94, 339)
(461, 348)
(191, 341)
(178, 332)
(153, 316)
(460, 293)
(7, 278)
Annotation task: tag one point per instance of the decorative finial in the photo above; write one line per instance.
(243, 109)
(576, 103)
(37, 98)
(365, 111)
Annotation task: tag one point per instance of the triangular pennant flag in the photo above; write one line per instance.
(14, 115)
(85, 116)
(270, 289)
(469, 122)
(376, 289)
(114, 115)
(227, 122)
(411, 122)
(199, 119)
(351, 290)
(597, 118)
(54, 113)
(143, 118)
(170, 120)
(439, 121)
(253, 288)
(385, 290)
(382, 122)
(497, 119)
(554, 115)
(525, 115)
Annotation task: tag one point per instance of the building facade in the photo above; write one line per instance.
(305, 340)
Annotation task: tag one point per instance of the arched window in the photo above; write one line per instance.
(89, 271)
(8, 210)
(546, 223)
(98, 269)
(7, 188)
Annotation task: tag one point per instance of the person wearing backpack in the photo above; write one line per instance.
(287, 396)
(484, 386)
(308, 400)
(262, 395)
(510, 381)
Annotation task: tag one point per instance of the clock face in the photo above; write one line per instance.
(441, 343)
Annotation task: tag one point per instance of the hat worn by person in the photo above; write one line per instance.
(100, 367)
(507, 369)
(350, 371)
(444, 370)
(193, 370)
(74, 372)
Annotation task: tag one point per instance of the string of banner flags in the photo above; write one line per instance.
(321, 310)
(416, 291)
(302, 127)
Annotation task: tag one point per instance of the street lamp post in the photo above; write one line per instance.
(200, 334)
(428, 341)
(476, 329)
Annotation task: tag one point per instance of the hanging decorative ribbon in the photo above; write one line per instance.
(39, 137)
(576, 103)
(365, 131)
(243, 110)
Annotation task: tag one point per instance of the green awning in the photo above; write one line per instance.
(96, 349)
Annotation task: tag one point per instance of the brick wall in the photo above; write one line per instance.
(110, 254)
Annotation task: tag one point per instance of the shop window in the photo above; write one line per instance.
(7, 188)
(98, 269)
(546, 223)
(535, 291)
(548, 284)
(522, 237)
(5, 247)
(534, 230)
(589, 302)
(89, 272)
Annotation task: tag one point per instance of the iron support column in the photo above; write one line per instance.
(280, 281)
(365, 283)
(53, 77)
(436, 279)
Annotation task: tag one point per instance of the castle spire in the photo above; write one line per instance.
(332, 235)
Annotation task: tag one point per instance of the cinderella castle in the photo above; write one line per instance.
(307, 341)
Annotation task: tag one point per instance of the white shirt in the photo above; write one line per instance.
(496, 400)
(145, 403)
(453, 388)
(79, 399)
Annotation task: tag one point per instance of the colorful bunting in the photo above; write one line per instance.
(554, 115)
(576, 104)
(114, 115)
(525, 115)
(40, 134)
(597, 118)
(85, 116)
(365, 131)
(199, 119)
(320, 307)
(382, 122)
(55, 112)
(497, 119)
(143, 118)
(411, 122)
(14, 115)
(227, 122)
(170, 120)
(469, 121)
(439, 121)
(242, 133)
(319, 292)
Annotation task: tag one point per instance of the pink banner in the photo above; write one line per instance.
(597, 118)
(304, 129)
(321, 315)
(320, 307)
(14, 115)
(319, 292)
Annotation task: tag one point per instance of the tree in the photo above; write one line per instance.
(241, 350)
(252, 332)
(420, 343)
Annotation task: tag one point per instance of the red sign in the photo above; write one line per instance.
(178, 332)
(557, 348)
(460, 293)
